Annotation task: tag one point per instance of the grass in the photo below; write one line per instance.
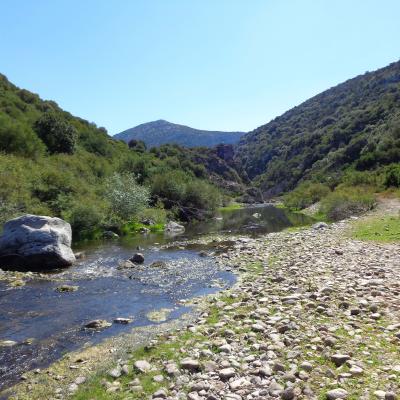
(231, 207)
(384, 230)
(166, 349)
(135, 227)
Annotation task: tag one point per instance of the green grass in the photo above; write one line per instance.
(135, 227)
(378, 229)
(231, 207)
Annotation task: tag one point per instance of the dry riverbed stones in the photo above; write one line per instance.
(301, 323)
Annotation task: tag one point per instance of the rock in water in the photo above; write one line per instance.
(36, 243)
(174, 227)
(137, 258)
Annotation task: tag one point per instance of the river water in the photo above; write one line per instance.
(46, 323)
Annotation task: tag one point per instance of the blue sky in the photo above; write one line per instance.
(210, 64)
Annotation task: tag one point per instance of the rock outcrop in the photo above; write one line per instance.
(36, 243)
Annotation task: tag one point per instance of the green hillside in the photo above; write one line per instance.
(56, 164)
(355, 125)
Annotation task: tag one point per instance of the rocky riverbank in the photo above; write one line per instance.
(314, 314)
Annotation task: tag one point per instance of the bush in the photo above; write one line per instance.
(345, 202)
(170, 185)
(156, 214)
(202, 195)
(58, 135)
(127, 198)
(85, 220)
(305, 195)
(19, 139)
(392, 176)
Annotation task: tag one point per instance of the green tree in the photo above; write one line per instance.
(58, 135)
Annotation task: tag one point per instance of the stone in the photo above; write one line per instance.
(288, 394)
(320, 225)
(336, 394)
(36, 243)
(123, 321)
(66, 288)
(190, 365)
(126, 264)
(158, 378)
(160, 394)
(226, 373)
(142, 365)
(7, 343)
(158, 264)
(137, 258)
(98, 324)
(306, 366)
(80, 379)
(174, 227)
(115, 372)
(340, 359)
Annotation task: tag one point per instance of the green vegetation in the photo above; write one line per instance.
(305, 194)
(345, 202)
(57, 134)
(56, 164)
(353, 125)
(378, 229)
(127, 198)
(231, 207)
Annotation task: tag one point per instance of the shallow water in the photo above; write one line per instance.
(54, 320)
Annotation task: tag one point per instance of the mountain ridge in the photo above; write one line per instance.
(159, 132)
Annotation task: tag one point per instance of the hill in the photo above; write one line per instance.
(160, 132)
(354, 125)
(53, 163)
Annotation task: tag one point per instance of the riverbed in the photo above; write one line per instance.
(46, 323)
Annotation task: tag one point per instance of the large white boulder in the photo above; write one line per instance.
(36, 243)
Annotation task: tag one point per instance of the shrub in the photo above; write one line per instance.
(156, 214)
(170, 185)
(85, 220)
(202, 195)
(305, 195)
(58, 135)
(137, 145)
(19, 139)
(392, 176)
(345, 202)
(127, 198)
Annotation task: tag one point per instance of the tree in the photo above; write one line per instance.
(137, 145)
(58, 135)
(127, 198)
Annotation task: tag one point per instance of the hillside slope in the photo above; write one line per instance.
(40, 177)
(355, 124)
(161, 132)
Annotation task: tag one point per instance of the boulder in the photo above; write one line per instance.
(36, 243)
(138, 258)
(174, 227)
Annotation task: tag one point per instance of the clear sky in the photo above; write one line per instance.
(210, 64)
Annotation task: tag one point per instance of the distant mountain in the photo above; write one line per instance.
(353, 125)
(161, 132)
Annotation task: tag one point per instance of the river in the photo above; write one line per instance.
(46, 323)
